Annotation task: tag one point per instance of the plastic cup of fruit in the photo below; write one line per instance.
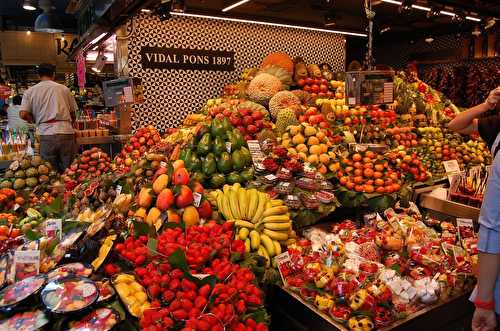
(20, 292)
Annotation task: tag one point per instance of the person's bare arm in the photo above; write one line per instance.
(27, 116)
(489, 265)
(466, 122)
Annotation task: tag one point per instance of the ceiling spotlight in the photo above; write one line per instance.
(178, 6)
(476, 32)
(429, 39)
(412, 41)
(330, 19)
(163, 10)
(385, 29)
(459, 16)
(434, 12)
(29, 4)
(406, 6)
(489, 23)
(146, 10)
(48, 21)
(234, 5)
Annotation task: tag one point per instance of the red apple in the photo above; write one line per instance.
(220, 116)
(257, 115)
(248, 137)
(315, 88)
(323, 88)
(252, 128)
(247, 120)
(259, 124)
(245, 111)
(301, 82)
(309, 81)
(242, 129)
(317, 81)
(227, 112)
(307, 88)
(235, 121)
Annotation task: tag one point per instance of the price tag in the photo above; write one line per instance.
(255, 151)
(271, 177)
(228, 146)
(201, 276)
(16, 207)
(118, 190)
(452, 168)
(281, 261)
(163, 164)
(197, 199)
(53, 228)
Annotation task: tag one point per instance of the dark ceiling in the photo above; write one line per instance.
(14, 17)
(347, 14)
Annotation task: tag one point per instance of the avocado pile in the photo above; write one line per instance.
(217, 155)
(29, 171)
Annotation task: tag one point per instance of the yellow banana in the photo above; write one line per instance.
(242, 203)
(226, 188)
(243, 224)
(236, 186)
(276, 202)
(227, 207)
(275, 211)
(276, 235)
(278, 226)
(233, 204)
(268, 244)
(264, 254)
(292, 234)
(254, 239)
(220, 205)
(277, 247)
(260, 209)
(252, 204)
(284, 218)
(243, 233)
(247, 245)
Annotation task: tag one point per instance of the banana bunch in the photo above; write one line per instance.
(263, 223)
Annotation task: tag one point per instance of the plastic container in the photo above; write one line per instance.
(69, 295)
(25, 321)
(76, 268)
(101, 319)
(106, 290)
(284, 187)
(18, 293)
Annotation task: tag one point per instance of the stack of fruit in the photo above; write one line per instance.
(9, 198)
(409, 165)
(150, 166)
(249, 121)
(368, 172)
(29, 172)
(132, 294)
(92, 163)
(141, 142)
(471, 153)
(263, 223)
(318, 88)
(218, 155)
(310, 144)
(314, 117)
(168, 198)
(401, 136)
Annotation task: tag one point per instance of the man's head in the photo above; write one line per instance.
(46, 71)
(17, 99)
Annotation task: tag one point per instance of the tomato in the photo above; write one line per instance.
(4, 230)
(15, 233)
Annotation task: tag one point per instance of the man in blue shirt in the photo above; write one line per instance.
(487, 294)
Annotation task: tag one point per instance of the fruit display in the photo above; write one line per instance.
(28, 172)
(218, 155)
(141, 142)
(264, 224)
(90, 164)
(377, 273)
(311, 145)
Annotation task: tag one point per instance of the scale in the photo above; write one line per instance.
(370, 87)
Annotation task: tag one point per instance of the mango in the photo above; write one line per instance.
(165, 199)
(160, 183)
(153, 215)
(191, 216)
(141, 212)
(145, 197)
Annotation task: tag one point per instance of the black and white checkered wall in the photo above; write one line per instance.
(172, 94)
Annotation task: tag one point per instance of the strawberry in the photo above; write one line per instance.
(204, 291)
(200, 302)
(179, 314)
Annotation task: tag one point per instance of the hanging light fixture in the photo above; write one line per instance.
(29, 4)
(476, 32)
(48, 21)
(434, 12)
(406, 6)
(429, 39)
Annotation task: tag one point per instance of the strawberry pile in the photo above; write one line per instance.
(179, 298)
(134, 250)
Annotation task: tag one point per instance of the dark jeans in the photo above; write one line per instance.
(59, 150)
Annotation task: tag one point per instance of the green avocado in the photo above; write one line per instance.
(246, 154)
(239, 139)
(247, 174)
(209, 165)
(238, 160)
(201, 132)
(226, 125)
(217, 129)
(194, 163)
(217, 180)
(204, 145)
(224, 163)
(218, 146)
(233, 177)
(197, 177)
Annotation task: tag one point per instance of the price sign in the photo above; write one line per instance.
(118, 190)
(255, 151)
(197, 199)
(228, 146)
(53, 228)
(452, 168)
(282, 261)
(26, 264)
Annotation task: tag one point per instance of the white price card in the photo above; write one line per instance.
(119, 189)
(26, 264)
(196, 199)
(228, 146)
(452, 168)
(281, 261)
(53, 228)
(163, 164)
(255, 151)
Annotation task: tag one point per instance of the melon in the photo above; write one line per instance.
(279, 59)
(263, 87)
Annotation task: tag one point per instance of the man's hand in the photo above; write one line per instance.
(484, 320)
(27, 116)
(493, 98)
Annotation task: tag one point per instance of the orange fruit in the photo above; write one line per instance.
(380, 189)
(350, 185)
(377, 174)
(359, 188)
(345, 161)
(379, 167)
(389, 189)
(396, 187)
(349, 169)
(358, 179)
(358, 172)
(343, 180)
(369, 182)
(357, 157)
(368, 165)
(358, 165)
(379, 182)
(368, 173)
(370, 154)
(369, 189)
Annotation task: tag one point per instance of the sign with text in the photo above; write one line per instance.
(183, 58)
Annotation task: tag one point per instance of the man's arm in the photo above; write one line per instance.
(466, 122)
(28, 117)
(26, 108)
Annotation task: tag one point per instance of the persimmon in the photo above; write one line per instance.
(369, 189)
(359, 188)
(368, 173)
(357, 157)
(358, 179)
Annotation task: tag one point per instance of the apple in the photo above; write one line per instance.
(324, 81)
(245, 111)
(220, 116)
(227, 112)
(251, 128)
(259, 124)
(321, 94)
(317, 81)
(323, 88)
(257, 115)
(301, 82)
(248, 137)
(235, 121)
(247, 120)
(309, 81)
(242, 129)
(315, 88)
(307, 88)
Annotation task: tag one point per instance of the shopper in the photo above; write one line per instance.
(14, 121)
(486, 296)
(52, 107)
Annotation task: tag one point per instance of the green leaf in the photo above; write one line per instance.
(173, 225)
(381, 203)
(143, 229)
(50, 247)
(178, 260)
(152, 243)
(32, 235)
(259, 316)
(67, 225)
